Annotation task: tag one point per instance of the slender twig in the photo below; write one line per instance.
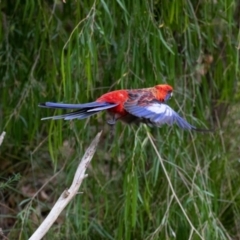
(172, 188)
(29, 205)
(2, 236)
(67, 194)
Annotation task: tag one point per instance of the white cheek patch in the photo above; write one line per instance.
(160, 109)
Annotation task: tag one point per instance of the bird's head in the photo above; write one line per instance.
(164, 92)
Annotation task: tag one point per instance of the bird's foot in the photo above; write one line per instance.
(111, 122)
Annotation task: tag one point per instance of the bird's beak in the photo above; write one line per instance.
(169, 95)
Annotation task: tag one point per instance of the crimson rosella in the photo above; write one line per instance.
(146, 105)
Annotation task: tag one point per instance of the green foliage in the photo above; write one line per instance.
(9, 181)
(144, 183)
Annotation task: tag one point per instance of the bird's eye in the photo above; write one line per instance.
(170, 93)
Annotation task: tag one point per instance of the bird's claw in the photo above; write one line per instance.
(111, 122)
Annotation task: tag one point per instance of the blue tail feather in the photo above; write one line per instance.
(75, 106)
(70, 116)
(84, 110)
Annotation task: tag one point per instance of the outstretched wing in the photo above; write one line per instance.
(157, 113)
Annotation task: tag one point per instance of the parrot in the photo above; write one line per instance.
(132, 106)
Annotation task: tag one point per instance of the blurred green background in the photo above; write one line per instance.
(143, 183)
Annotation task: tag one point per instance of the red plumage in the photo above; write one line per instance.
(118, 96)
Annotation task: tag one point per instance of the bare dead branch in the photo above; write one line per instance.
(67, 194)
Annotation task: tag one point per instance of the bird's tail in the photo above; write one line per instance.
(84, 110)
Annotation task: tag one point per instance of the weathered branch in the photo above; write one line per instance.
(68, 194)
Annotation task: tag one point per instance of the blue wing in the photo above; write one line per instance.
(157, 114)
(84, 110)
